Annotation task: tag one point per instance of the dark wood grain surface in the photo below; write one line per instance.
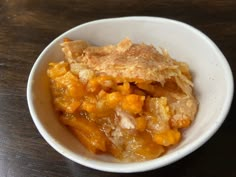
(27, 26)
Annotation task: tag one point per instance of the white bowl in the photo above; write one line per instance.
(211, 74)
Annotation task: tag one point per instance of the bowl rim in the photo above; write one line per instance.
(134, 166)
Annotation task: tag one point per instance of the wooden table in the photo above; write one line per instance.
(26, 28)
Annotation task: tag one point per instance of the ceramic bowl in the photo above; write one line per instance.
(212, 78)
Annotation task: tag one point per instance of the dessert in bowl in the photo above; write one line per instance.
(211, 76)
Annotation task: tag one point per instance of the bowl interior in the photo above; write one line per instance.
(211, 75)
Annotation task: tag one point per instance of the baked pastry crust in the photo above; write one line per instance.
(139, 63)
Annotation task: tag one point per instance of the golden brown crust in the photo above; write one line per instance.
(130, 61)
(139, 63)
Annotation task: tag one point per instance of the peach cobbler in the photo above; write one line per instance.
(128, 100)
